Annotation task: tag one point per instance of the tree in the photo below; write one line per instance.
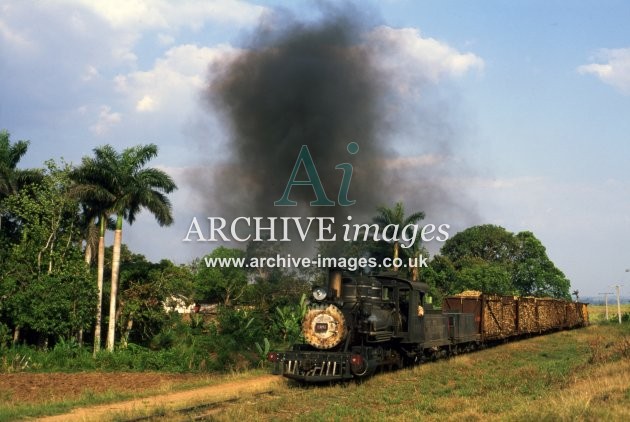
(494, 260)
(44, 279)
(441, 277)
(146, 291)
(488, 242)
(224, 284)
(484, 276)
(92, 188)
(127, 187)
(12, 179)
(534, 273)
(396, 216)
(135, 188)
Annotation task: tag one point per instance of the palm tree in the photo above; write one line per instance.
(93, 190)
(576, 293)
(13, 179)
(414, 252)
(396, 216)
(134, 188)
(117, 183)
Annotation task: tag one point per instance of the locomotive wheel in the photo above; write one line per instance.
(324, 327)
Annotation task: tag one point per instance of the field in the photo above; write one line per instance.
(583, 374)
(562, 376)
(597, 313)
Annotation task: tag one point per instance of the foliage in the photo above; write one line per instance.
(534, 273)
(287, 323)
(484, 276)
(12, 179)
(119, 183)
(263, 349)
(493, 260)
(148, 292)
(224, 284)
(44, 282)
(396, 217)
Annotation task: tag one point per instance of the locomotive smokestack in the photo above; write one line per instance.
(334, 282)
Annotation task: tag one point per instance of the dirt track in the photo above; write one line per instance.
(172, 401)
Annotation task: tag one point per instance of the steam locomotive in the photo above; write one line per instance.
(360, 323)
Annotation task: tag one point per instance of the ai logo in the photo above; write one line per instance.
(304, 159)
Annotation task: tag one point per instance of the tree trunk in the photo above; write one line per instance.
(99, 285)
(124, 341)
(16, 335)
(88, 253)
(111, 328)
(395, 255)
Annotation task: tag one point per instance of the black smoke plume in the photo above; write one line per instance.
(316, 84)
(300, 84)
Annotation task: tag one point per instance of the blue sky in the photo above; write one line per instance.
(537, 93)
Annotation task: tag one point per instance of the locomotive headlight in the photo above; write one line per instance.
(319, 294)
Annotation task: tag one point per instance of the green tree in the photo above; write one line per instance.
(93, 187)
(441, 276)
(224, 284)
(12, 179)
(488, 277)
(135, 188)
(488, 242)
(494, 260)
(44, 278)
(396, 216)
(148, 291)
(534, 273)
(127, 188)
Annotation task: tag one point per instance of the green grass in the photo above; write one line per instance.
(551, 377)
(597, 313)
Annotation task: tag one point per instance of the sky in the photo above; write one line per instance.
(535, 96)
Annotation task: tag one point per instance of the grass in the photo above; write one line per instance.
(597, 313)
(579, 374)
(10, 411)
(582, 374)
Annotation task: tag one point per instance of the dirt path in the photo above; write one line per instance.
(172, 401)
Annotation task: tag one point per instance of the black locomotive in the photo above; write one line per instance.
(361, 323)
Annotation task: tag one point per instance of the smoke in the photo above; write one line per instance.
(317, 84)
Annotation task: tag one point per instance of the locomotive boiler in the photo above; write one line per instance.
(357, 324)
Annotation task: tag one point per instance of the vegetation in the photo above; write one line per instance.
(579, 374)
(53, 222)
(396, 216)
(491, 259)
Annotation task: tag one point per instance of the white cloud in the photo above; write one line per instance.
(146, 103)
(106, 119)
(165, 39)
(89, 73)
(412, 58)
(615, 69)
(165, 14)
(18, 41)
(175, 80)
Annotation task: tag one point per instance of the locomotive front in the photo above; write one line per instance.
(337, 329)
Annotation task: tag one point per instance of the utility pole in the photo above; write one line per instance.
(618, 290)
(606, 300)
